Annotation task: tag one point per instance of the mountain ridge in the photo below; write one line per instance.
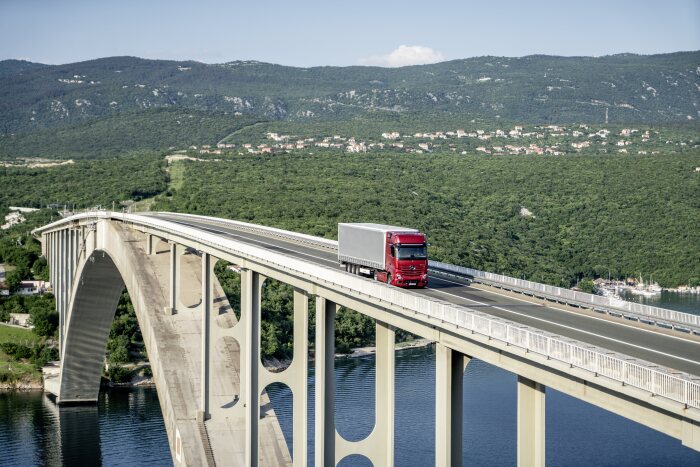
(533, 89)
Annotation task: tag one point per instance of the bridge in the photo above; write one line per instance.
(641, 364)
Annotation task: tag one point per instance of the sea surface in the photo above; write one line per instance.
(687, 303)
(126, 427)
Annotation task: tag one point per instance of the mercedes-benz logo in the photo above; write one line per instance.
(411, 267)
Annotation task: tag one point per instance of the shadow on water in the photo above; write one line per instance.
(124, 428)
(80, 435)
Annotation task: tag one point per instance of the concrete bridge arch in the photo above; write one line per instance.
(112, 257)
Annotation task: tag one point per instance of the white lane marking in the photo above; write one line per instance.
(626, 325)
(573, 329)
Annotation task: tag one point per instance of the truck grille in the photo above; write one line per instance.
(407, 271)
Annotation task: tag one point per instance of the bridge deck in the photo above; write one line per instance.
(669, 349)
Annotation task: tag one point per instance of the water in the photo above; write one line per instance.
(687, 303)
(578, 434)
(126, 427)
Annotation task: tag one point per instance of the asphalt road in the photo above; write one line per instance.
(672, 350)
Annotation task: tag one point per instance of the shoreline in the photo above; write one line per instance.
(22, 386)
(276, 366)
(273, 365)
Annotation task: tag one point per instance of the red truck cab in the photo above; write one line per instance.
(406, 259)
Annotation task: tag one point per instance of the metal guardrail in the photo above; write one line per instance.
(659, 316)
(678, 387)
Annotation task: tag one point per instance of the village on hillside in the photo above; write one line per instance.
(554, 140)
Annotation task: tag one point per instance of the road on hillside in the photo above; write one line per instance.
(672, 350)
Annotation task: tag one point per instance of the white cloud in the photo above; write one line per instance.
(405, 55)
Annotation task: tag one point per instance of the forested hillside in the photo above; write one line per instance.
(119, 134)
(534, 89)
(548, 219)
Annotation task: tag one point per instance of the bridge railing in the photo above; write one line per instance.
(658, 381)
(660, 316)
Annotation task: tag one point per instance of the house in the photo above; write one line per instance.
(33, 287)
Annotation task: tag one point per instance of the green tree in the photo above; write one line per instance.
(118, 349)
(13, 279)
(587, 285)
(45, 321)
(40, 269)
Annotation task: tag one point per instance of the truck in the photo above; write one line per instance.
(387, 253)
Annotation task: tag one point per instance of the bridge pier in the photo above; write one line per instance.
(61, 297)
(149, 244)
(207, 344)
(174, 278)
(378, 447)
(324, 441)
(251, 288)
(449, 388)
(531, 423)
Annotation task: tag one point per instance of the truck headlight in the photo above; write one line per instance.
(424, 277)
(398, 277)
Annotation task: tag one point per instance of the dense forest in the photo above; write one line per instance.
(85, 183)
(549, 219)
(124, 134)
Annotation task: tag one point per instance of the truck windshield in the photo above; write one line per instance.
(412, 252)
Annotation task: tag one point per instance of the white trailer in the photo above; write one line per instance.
(365, 244)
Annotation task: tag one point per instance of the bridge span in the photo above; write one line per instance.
(647, 374)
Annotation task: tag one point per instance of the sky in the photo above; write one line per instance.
(340, 33)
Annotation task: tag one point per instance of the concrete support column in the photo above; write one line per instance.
(325, 383)
(207, 311)
(70, 263)
(81, 243)
(149, 244)
(531, 429)
(251, 284)
(76, 248)
(174, 278)
(449, 382)
(61, 297)
(300, 374)
(384, 394)
(50, 258)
